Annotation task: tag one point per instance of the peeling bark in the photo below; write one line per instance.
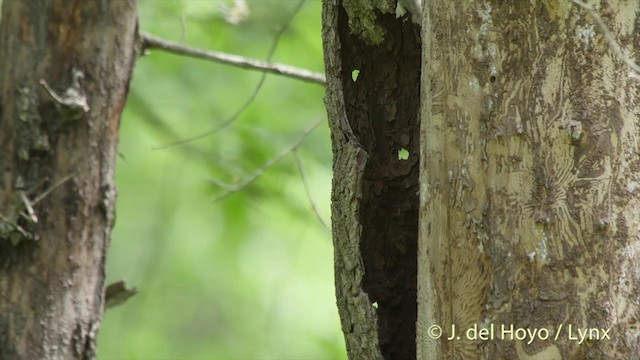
(529, 192)
(64, 70)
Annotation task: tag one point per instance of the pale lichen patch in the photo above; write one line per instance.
(586, 34)
(542, 251)
(362, 18)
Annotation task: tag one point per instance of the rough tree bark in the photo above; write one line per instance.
(529, 179)
(372, 62)
(529, 184)
(64, 70)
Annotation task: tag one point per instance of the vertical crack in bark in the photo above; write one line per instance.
(382, 97)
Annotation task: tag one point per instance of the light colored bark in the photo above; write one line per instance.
(529, 180)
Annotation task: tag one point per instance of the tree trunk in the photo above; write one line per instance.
(528, 179)
(373, 78)
(64, 69)
(529, 184)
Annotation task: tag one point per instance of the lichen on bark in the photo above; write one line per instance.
(363, 16)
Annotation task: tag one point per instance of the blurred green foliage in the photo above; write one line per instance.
(250, 277)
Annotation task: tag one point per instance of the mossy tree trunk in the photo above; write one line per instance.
(64, 70)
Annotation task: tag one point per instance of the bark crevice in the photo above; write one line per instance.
(381, 96)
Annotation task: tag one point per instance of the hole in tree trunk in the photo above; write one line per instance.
(382, 109)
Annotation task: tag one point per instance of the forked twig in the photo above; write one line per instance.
(234, 188)
(254, 94)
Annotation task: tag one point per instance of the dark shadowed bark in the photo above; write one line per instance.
(372, 100)
(64, 70)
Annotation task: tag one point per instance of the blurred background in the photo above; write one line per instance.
(249, 276)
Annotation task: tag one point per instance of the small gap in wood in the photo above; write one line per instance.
(382, 108)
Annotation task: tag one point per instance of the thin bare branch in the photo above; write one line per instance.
(305, 184)
(150, 115)
(224, 124)
(608, 35)
(256, 90)
(56, 185)
(234, 188)
(153, 42)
